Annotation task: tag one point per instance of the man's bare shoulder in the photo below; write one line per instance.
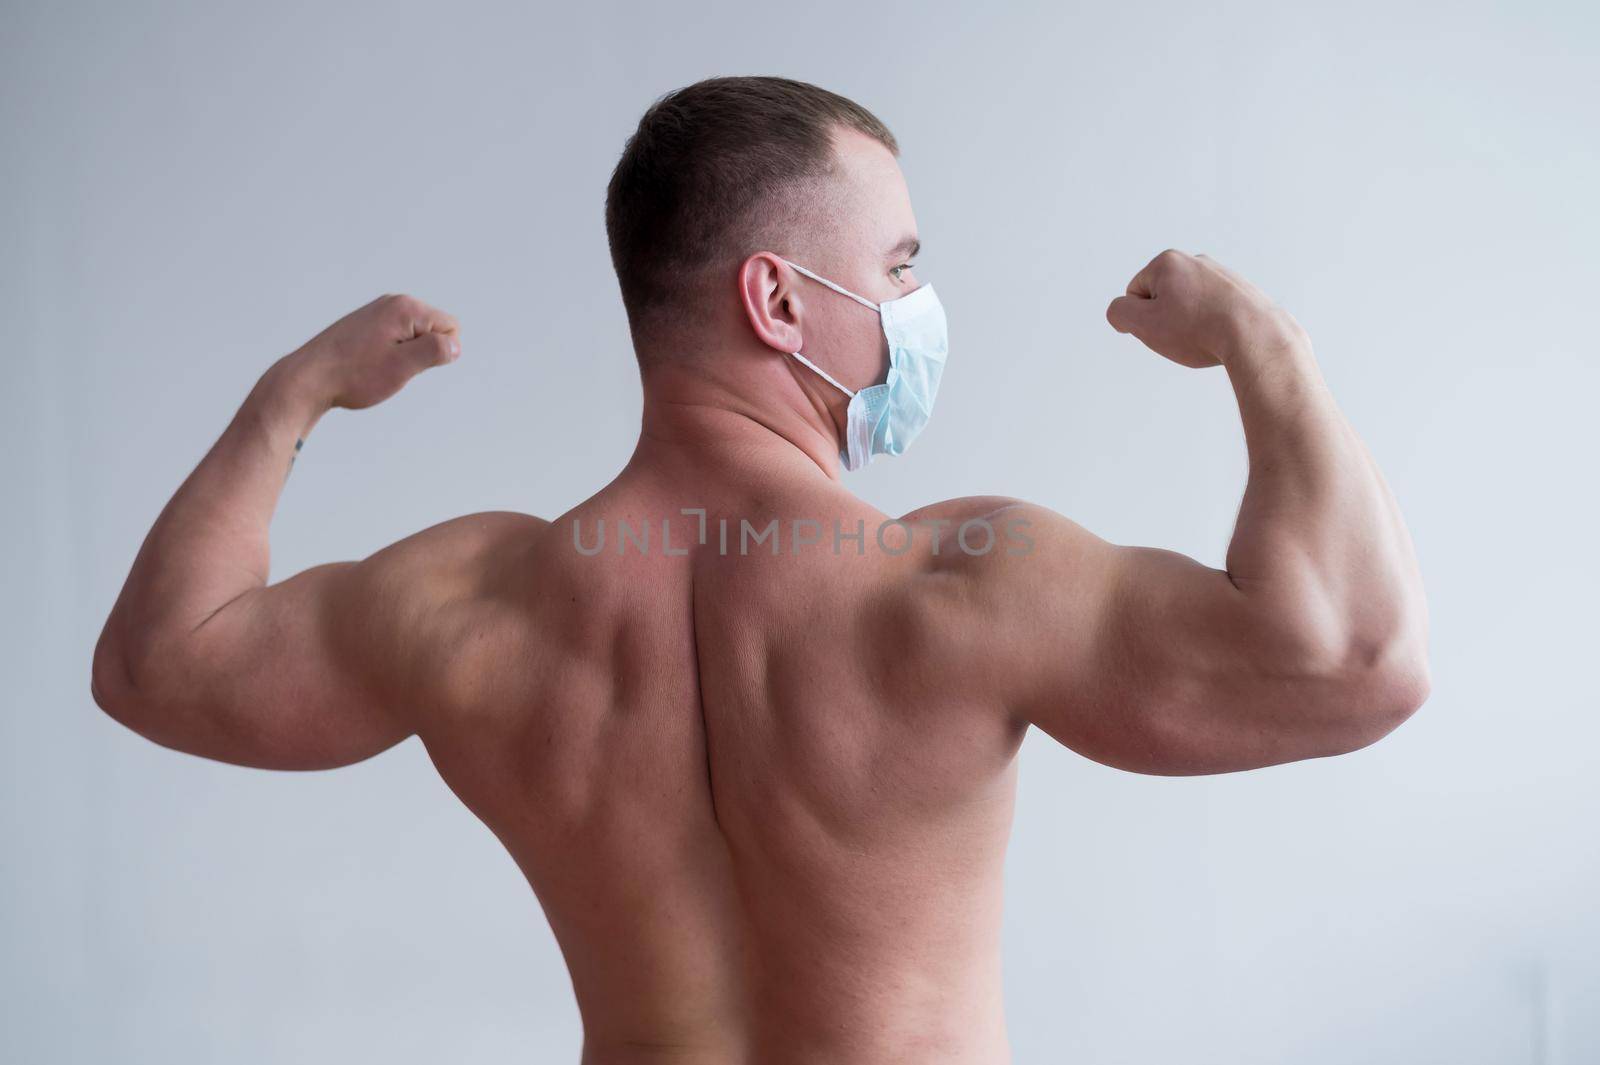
(431, 589)
(449, 555)
(429, 579)
(964, 508)
(472, 531)
(984, 536)
(967, 618)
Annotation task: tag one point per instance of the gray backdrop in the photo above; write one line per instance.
(190, 192)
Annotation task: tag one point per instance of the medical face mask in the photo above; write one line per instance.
(884, 419)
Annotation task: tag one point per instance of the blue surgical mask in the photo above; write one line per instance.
(884, 419)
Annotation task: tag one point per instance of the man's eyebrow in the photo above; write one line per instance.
(907, 248)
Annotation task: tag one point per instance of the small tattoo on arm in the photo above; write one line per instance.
(292, 457)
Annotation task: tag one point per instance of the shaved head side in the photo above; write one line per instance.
(715, 171)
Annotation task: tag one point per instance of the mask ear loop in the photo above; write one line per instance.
(840, 289)
(823, 374)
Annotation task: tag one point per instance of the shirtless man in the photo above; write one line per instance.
(763, 795)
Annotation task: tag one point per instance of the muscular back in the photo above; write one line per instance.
(763, 797)
(755, 814)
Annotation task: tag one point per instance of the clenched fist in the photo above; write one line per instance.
(1197, 312)
(369, 354)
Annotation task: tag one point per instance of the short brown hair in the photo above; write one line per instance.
(688, 191)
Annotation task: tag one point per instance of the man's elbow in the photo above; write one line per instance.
(1384, 693)
(111, 682)
(1365, 672)
(119, 685)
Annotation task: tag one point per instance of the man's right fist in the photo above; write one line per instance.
(1197, 312)
(369, 354)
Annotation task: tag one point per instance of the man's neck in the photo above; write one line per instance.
(697, 423)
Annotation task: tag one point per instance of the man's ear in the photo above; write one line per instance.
(771, 301)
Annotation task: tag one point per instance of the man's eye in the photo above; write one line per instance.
(903, 266)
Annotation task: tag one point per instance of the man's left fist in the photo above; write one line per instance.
(369, 354)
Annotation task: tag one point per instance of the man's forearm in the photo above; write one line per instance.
(210, 543)
(1319, 540)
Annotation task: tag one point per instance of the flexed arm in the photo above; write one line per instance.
(199, 653)
(1312, 641)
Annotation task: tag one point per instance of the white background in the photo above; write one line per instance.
(190, 192)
